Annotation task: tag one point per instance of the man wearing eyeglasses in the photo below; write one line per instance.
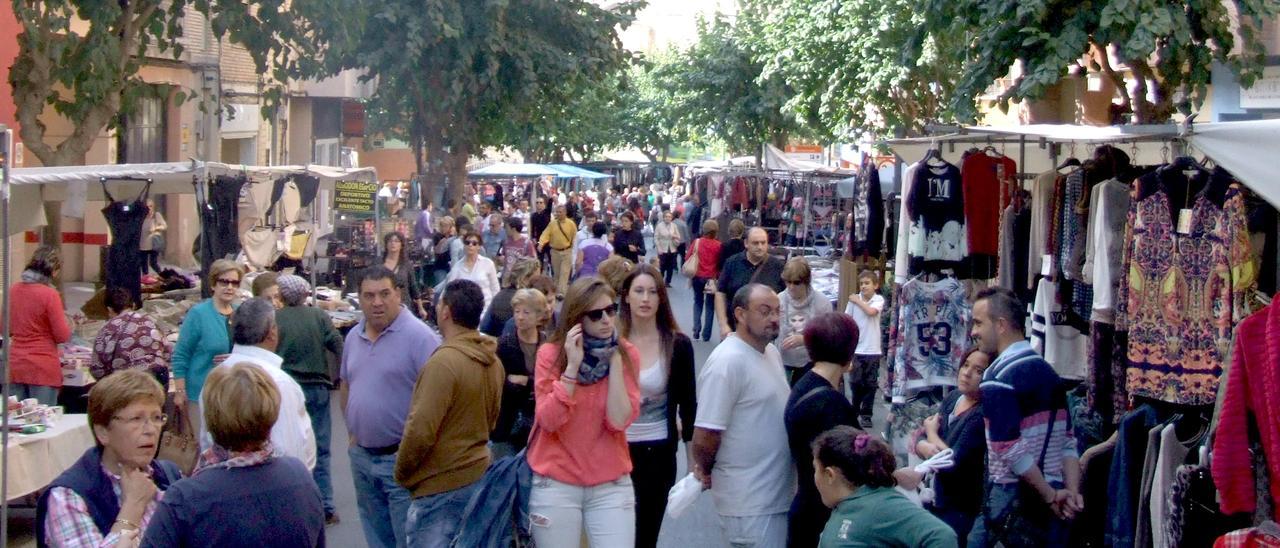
(740, 438)
(256, 335)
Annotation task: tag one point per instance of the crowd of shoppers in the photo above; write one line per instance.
(585, 378)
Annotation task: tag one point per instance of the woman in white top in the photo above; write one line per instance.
(666, 238)
(666, 386)
(477, 268)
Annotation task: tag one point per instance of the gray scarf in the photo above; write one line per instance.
(33, 277)
(596, 357)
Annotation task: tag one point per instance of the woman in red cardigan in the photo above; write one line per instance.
(37, 325)
(586, 386)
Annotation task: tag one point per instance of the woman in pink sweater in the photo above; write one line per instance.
(37, 325)
(586, 386)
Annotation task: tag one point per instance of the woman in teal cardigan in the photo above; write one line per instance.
(205, 340)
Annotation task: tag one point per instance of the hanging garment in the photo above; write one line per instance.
(901, 255)
(1063, 346)
(1041, 220)
(1070, 239)
(1015, 228)
(987, 182)
(255, 200)
(1107, 395)
(1252, 392)
(1183, 293)
(1104, 246)
(868, 214)
(124, 259)
(306, 185)
(222, 215)
(1171, 454)
(260, 246)
(937, 238)
(930, 336)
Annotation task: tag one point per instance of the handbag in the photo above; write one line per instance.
(1025, 522)
(178, 443)
(157, 242)
(690, 268)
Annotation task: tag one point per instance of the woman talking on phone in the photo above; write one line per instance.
(587, 390)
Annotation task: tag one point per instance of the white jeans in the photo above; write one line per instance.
(767, 531)
(559, 511)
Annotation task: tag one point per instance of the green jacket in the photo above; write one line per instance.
(881, 516)
(305, 334)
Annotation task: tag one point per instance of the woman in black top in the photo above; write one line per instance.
(735, 244)
(958, 426)
(666, 387)
(817, 404)
(518, 349)
(395, 257)
(628, 241)
(444, 238)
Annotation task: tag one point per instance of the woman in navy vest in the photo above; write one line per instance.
(242, 492)
(110, 494)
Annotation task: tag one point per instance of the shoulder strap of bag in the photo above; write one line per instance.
(561, 229)
(756, 274)
(812, 392)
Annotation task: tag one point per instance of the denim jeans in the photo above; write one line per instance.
(559, 512)
(46, 395)
(435, 519)
(317, 398)
(384, 505)
(704, 310)
(766, 531)
(999, 497)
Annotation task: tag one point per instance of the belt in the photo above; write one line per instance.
(562, 248)
(382, 451)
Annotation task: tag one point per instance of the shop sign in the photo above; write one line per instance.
(355, 196)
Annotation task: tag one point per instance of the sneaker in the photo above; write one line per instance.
(865, 423)
(331, 518)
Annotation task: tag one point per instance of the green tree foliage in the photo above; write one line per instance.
(456, 75)
(81, 57)
(1169, 46)
(857, 66)
(721, 91)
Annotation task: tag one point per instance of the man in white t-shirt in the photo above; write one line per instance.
(740, 439)
(865, 307)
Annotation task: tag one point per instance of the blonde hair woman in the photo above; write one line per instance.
(241, 480)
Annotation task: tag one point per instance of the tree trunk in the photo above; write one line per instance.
(456, 170)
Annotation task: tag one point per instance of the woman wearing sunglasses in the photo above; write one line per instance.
(205, 340)
(666, 384)
(587, 390)
(476, 267)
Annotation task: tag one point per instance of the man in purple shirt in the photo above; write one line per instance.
(380, 363)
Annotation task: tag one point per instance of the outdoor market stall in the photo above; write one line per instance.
(1146, 253)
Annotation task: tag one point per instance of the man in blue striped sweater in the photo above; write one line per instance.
(1029, 439)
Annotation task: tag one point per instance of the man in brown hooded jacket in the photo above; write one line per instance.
(445, 450)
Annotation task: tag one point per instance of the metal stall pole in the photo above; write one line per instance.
(6, 140)
(314, 242)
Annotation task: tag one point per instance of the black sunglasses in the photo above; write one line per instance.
(599, 313)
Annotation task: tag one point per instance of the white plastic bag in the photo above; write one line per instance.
(683, 495)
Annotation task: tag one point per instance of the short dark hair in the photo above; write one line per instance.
(742, 299)
(465, 301)
(118, 299)
(861, 457)
(1004, 304)
(378, 272)
(831, 338)
(516, 224)
(599, 229)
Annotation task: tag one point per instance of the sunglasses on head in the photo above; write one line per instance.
(599, 313)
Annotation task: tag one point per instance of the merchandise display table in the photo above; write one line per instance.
(35, 460)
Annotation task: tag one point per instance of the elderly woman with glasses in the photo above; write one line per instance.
(205, 339)
(476, 267)
(108, 497)
(587, 392)
(799, 304)
(243, 491)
